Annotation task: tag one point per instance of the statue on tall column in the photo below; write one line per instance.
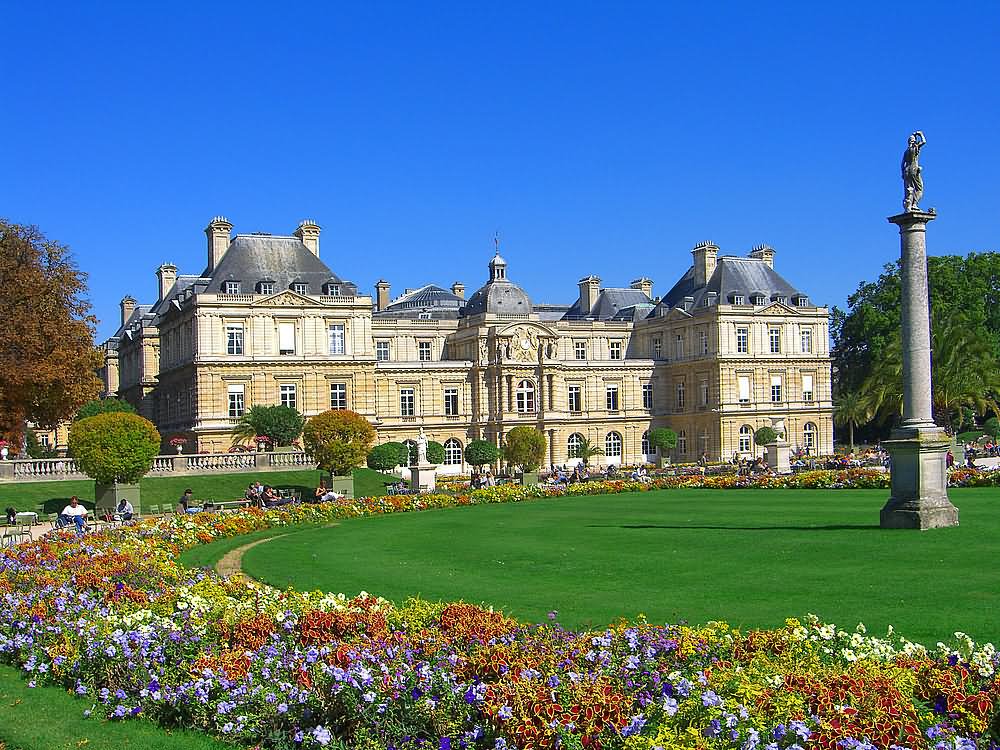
(913, 180)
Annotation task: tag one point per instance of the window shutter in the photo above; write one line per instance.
(744, 381)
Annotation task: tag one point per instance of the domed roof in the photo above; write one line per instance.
(499, 294)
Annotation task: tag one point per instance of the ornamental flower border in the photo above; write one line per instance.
(117, 619)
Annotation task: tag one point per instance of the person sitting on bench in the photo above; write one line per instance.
(74, 514)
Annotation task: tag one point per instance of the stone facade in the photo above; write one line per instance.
(729, 348)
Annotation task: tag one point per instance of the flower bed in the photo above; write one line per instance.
(117, 619)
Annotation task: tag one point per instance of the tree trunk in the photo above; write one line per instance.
(850, 430)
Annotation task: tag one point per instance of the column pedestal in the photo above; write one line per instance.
(919, 498)
(777, 457)
(423, 478)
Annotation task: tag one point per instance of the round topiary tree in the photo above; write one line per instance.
(388, 456)
(103, 406)
(281, 424)
(524, 446)
(662, 440)
(765, 435)
(478, 453)
(339, 440)
(435, 452)
(116, 450)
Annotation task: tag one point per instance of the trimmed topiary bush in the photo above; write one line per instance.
(103, 406)
(388, 456)
(765, 435)
(282, 424)
(481, 452)
(435, 452)
(114, 448)
(339, 440)
(524, 446)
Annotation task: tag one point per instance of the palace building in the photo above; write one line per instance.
(729, 347)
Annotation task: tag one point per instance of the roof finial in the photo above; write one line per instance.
(496, 242)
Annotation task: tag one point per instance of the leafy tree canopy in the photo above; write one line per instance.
(48, 362)
(103, 406)
(339, 440)
(435, 452)
(524, 446)
(116, 447)
(481, 452)
(387, 456)
(662, 439)
(765, 435)
(282, 424)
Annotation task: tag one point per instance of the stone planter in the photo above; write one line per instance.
(343, 485)
(529, 479)
(106, 497)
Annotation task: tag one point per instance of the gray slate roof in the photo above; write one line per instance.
(733, 275)
(609, 303)
(428, 302)
(252, 258)
(498, 296)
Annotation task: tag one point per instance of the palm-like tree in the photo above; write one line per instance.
(964, 371)
(586, 451)
(851, 409)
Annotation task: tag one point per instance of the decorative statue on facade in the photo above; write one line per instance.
(421, 448)
(913, 181)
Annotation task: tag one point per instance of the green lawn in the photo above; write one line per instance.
(49, 718)
(749, 557)
(166, 490)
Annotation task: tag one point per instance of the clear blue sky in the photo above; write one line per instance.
(597, 138)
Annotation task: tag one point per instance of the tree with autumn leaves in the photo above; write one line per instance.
(48, 362)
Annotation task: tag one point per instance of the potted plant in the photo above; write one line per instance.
(524, 447)
(339, 440)
(662, 439)
(116, 450)
(479, 453)
(281, 425)
(178, 442)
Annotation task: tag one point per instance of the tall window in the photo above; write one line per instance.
(616, 350)
(647, 449)
(575, 399)
(573, 445)
(406, 402)
(679, 347)
(809, 437)
(231, 287)
(287, 394)
(234, 338)
(237, 403)
(382, 351)
(647, 395)
(704, 342)
(774, 340)
(807, 387)
(742, 340)
(657, 349)
(338, 395)
(451, 402)
(524, 397)
(703, 393)
(744, 388)
(580, 349)
(286, 338)
(775, 388)
(680, 395)
(300, 288)
(337, 339)
(806, 338)
(424, 351)
(613, 445)
(452, 452)
(746, 436)
(682, 442)
(611, 396)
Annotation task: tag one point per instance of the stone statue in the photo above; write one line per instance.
(913, 181)
(421, 448)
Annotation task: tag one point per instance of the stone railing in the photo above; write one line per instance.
(54, 469)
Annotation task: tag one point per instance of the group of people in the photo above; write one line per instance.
(484, 479)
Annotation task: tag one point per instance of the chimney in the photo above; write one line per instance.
(764, 253)
(705, 255)
(308, 232)
(381, 294)
(128, 307)
(217, 231)
(458, 289)
(167, 275)
(644, 285)
(590, 287)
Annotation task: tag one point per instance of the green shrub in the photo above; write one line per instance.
(387, 456)
(114, 447)
(765, 435)
(524, 446)
(103, 406)
(339, 440)
(481, 452)
(282, 424)
(435, 452)
(662, 439)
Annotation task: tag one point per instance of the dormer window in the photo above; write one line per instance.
(299, 288)
(801, 301)
(738, 299)
(265, 287)
(781, 300)
(231, 287)
(331, 290)
(759, 300)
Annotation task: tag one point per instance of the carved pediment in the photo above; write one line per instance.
(777, 308)
(285, 298)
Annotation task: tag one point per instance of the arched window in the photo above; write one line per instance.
(646, 447)
(682, 442)
(746, 438)
(809, 437)
(573, 444)
(525, 396)
(613, 445)
(452, 452)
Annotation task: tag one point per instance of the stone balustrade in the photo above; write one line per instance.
(54, 469)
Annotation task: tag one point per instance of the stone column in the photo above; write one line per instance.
(919, 498)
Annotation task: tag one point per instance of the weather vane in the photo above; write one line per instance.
(496, 241)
